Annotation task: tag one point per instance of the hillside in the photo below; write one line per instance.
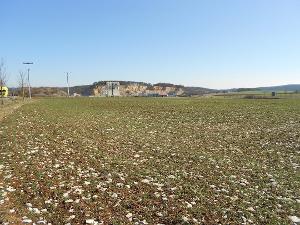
(280, 88)
(288, 87)
(133, 88)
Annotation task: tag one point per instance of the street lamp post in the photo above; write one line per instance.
(28, 79)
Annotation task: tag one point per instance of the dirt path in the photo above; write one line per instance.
(7, 211)
(10, 106)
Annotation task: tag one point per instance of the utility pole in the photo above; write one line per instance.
(28, 78)
(68, 84)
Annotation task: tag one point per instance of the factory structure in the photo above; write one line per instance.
(110, 89)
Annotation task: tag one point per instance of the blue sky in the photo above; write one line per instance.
(211, 43)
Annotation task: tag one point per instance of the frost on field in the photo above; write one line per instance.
(143, 161)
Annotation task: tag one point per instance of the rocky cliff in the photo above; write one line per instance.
(140, 89)
(125, 88)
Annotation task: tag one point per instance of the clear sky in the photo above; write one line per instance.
(209, 43)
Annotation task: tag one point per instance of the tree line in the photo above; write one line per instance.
(4, 79)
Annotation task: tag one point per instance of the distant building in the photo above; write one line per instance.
(76, 95)
(112, 89)
(3, 91)
(153, 95)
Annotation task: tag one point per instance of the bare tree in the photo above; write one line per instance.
(22, 76)
(3, 79)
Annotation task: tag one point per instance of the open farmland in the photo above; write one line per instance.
(155, 161)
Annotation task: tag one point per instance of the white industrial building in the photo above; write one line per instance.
(112, 89)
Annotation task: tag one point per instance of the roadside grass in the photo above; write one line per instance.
(156, 161)
(9, 106)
